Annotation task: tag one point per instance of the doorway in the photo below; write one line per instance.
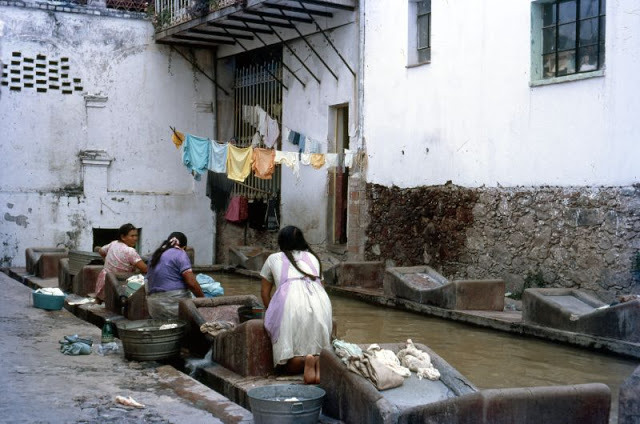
(339, 176)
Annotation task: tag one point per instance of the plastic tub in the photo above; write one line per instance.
(143, 340)
(286, 404)
(50, 302)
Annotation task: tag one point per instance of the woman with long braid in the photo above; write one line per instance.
(298, 318)
(170, 278)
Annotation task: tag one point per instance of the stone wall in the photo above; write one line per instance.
(578, 237)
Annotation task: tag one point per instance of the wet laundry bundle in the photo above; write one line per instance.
(74, 345)
(209, 286)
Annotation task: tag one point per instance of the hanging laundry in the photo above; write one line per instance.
(348, 158)
(285, 133)
(317, 160)
(239, 162)
(195, 154)
(257, 214)
(305, 158)
(273, 132)
(261, 120)
(219, 189)
(311, 146)
(301, 146)
(238, 210)
(289, 159)
(294, 137)
(256, 140)
(331, 160)
(249, 115)
(263, 163)
(218, 161)
(178, 138)
(271, 219)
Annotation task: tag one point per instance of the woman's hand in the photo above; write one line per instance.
(265, 292)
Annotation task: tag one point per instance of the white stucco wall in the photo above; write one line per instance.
(140, 89)
(307, 110)
(470, 116)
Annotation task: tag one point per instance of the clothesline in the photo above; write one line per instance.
(201, 154)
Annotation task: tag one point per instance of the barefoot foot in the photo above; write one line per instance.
(309, 370)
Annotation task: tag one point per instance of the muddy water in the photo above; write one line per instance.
(490, 359)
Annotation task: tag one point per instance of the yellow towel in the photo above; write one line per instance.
(317, 160)
(239, 162)
(177, 138)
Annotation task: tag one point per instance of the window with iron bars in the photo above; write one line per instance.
(256, 84)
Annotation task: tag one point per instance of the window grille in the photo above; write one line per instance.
(256, 85)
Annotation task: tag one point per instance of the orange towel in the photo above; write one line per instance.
(263, 163)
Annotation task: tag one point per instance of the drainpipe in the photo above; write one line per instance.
(214, 63)
(360, 81)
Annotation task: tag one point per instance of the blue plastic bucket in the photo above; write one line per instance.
(49, 302)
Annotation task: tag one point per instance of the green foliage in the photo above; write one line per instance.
(159, 20)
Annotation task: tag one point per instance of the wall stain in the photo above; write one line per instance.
(21, 220)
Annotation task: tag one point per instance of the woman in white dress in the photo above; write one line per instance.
(298, 317)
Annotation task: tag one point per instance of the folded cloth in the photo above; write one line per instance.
(77, 348)
(50, 290)
(216, 327)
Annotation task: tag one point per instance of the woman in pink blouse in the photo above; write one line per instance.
(120, 256)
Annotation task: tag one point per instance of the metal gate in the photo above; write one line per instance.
(257, 84)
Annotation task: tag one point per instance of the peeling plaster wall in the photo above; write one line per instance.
(470, 115)
(132, 90)
(306, 110)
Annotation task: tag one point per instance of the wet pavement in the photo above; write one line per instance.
(41, 385)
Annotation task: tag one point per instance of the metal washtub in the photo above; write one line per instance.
(286, 404)
(143, 340)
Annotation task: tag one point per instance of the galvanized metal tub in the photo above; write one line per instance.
(144, 340)
(286, 404)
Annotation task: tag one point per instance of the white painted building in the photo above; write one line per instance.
(79, 82)
(479, 112)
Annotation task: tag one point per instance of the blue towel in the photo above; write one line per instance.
(195, 154)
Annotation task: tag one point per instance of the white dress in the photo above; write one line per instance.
(305, 327)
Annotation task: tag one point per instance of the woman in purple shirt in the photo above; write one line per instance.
(170, 278)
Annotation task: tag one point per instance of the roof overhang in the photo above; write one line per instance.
(236, 26)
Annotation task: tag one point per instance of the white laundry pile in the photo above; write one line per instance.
(418, 361)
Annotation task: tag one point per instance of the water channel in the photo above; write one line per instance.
(489, 358)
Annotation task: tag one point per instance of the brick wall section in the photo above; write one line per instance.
(578, 237)
(228, 234)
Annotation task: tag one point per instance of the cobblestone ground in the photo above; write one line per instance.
(41, 385)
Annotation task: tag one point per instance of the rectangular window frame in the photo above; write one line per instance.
(414, 49)
(537, 65)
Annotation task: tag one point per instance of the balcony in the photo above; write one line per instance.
(234, 26)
